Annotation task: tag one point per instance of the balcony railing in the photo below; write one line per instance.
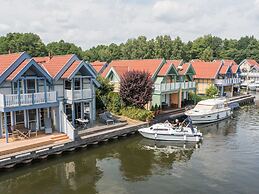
(78, 94)
(228, 81)
(169, 87)
(13, 100)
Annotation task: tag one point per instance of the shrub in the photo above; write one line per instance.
(102, 92)
(211, 91)
(137, 113)
(113, 102)
(136, 88)
(196, 98)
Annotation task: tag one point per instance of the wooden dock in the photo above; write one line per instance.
(40, 148)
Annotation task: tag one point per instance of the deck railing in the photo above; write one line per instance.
(13, 100)
(168, 87)
(78, 94)
(68, 127)
(228, 81)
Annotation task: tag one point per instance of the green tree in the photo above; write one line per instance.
(20, 42)
(63, 48)
(211, 91)
(102, 92)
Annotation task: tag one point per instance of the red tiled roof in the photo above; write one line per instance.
(206, 70)
(148, 65)
(18, 69)
(120, 70)
(185, 67)
(224, 69)
(7, 60)
(234, 68)
(252, 62)
(54, 64)
(167, 65)
(71, 69)
(98, 65)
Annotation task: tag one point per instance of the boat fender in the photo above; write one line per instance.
(155, 135)
(184, 137)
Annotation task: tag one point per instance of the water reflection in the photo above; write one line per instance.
(226, 162)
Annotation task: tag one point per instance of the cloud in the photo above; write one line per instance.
(90, 22)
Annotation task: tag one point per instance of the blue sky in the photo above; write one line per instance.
(92, 22)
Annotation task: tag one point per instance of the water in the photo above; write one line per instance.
(226, 162)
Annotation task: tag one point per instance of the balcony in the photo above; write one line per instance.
(227, 81)
(15, 100)
(170, 87)
(78, 94)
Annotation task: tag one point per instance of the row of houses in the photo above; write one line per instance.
(174, 79)
(40, 92)
(55, 91)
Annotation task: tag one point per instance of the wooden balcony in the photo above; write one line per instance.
(78, 94)
(28, 99)
(170, 87)
(227, 81)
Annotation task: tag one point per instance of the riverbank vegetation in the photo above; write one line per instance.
(135, 92)
(206, 48)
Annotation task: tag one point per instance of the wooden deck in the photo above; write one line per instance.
(25, 145)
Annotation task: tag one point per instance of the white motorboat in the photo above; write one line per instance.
(208, 111)
(168, 132)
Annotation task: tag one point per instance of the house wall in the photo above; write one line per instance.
(246, 66)
(59, 87)
(202, 85)
(6, 87)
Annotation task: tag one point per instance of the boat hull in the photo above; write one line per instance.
(210, 118)
(171, 137)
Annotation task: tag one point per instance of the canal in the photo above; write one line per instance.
(226, 162)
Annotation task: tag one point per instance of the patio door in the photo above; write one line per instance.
(77, 110)
(31, 86)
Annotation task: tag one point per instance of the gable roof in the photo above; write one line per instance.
(165, 69)
(55, 64)
(24, 66)
(206, 70)
(250, 62)
(7, 60)
(99, 66)
(151, 66)
(185, 69)
(71, 69)
(224, 69)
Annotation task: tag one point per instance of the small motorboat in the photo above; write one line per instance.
(169, 132)
(208, 111)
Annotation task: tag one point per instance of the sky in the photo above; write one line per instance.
(89, 23)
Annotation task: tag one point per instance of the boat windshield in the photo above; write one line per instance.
(203, 107)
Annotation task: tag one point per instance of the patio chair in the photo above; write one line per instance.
(114, 118)
(48, 125)
(105, 119)
(110, 116)
(33, 129)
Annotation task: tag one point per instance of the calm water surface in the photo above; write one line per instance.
(226, 162)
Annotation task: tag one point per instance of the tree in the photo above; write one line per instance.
(211, 91)
(20, 42)
(136, 88)
(102, 93)
(63, 48)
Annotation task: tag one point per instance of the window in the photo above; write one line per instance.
(67, 85)
(19, 117)
(77, 84)
(31, 86)
(15, 87)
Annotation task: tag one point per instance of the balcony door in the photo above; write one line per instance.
(31, 86)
